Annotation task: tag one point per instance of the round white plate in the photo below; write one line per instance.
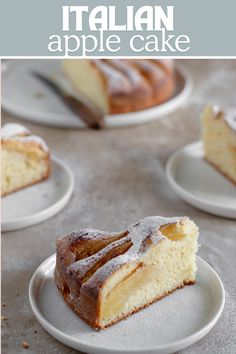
(37, 103)
(171, 324)
(200, 184)
(39, 202)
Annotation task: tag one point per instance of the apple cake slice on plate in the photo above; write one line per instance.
(105, 277)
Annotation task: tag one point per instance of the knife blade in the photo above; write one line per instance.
(92, 116)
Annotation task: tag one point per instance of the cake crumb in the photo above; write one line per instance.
(25, 345)
(35, 331)
(4, 318)
(38, 95)
(4, 305)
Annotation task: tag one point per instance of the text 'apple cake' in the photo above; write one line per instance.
(25, 158)
(105, 277)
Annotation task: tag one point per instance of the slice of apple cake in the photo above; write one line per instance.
(219, 139)
(25, 158)
(105, 277)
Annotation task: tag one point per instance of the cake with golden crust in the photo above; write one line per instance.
(105, 277)
(219, 139)
(25, 158)
(122, 85)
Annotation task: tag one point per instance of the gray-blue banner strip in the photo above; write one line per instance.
(200, 28)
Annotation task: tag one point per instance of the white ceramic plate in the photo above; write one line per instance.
(199, 184)
(37, 103)
(171, 324)
(39, 202)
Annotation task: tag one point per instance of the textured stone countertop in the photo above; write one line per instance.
(120, 178)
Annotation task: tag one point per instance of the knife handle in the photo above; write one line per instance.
(90, 118)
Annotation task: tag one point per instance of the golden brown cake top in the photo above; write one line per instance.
(90, 256)
(228, 114)
(126, 76)
(18, 133)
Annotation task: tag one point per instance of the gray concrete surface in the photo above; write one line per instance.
(120, 178)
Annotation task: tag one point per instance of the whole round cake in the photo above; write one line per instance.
(122, 85)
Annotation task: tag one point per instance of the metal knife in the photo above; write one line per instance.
(92, 116)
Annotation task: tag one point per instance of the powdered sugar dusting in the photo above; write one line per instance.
(82, 267)
(115, 79)
(149, 227)
(137, 234)
(229, 115)
(11, 130)
(91, 234)
(34, 139)
(130, 72)
(19, 132)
